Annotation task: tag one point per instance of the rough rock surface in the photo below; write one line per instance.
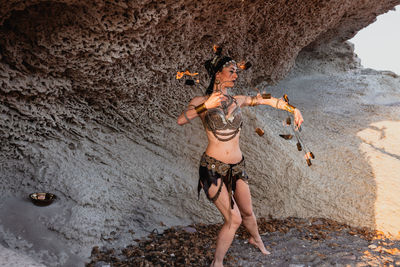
(89, 102)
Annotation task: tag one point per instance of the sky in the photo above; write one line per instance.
(378, 45)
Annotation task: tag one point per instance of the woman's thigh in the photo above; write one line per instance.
(243, 198)
(223, 202)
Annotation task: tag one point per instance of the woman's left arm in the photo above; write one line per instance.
(273, 102)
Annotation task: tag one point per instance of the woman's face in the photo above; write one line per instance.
(227, 76)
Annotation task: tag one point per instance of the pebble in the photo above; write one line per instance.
(350, 257)
(304, 258)
(318, 222)
(340, 254)
(102, 264)
(190, 229)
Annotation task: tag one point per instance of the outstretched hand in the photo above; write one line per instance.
(298, 118)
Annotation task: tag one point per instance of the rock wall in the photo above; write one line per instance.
(89, 103)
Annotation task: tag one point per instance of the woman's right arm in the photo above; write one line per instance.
(190, 112)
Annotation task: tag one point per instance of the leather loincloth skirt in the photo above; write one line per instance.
(212, 169)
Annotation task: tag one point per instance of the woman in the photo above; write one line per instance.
(222, 167)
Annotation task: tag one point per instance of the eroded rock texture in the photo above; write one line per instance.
(89, 103)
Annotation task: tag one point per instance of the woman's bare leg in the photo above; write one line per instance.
(243, 200)
(232, 221)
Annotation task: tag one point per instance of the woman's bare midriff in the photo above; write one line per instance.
(227, 152)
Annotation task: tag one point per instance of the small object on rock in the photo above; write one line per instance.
(333, 245)
(299, 148)
(372, 246)
(190, 229)
(286, 136)
(247, 65)
(260, 131)
(102, 264)
(42, 199)
(244, 66)
(318, 222)
(286, 98)
(350, 257)
(189, 82)
(392, 251)
(308, 156)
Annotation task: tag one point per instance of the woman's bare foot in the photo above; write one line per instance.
(260, 245)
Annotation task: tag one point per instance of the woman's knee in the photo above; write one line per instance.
(235, 219)
(247, 213)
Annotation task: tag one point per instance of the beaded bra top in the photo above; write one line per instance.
(227, 117)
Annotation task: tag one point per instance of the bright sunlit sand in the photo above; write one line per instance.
(381, 148)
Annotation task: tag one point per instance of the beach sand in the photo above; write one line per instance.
(292, 242)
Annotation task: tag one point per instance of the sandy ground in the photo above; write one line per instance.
(10, 258)
(292, 242)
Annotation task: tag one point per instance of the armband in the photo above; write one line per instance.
(200, 108)
(266, 96)
(254, 101)
(290, 108)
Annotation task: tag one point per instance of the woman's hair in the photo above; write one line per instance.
(213, 66)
